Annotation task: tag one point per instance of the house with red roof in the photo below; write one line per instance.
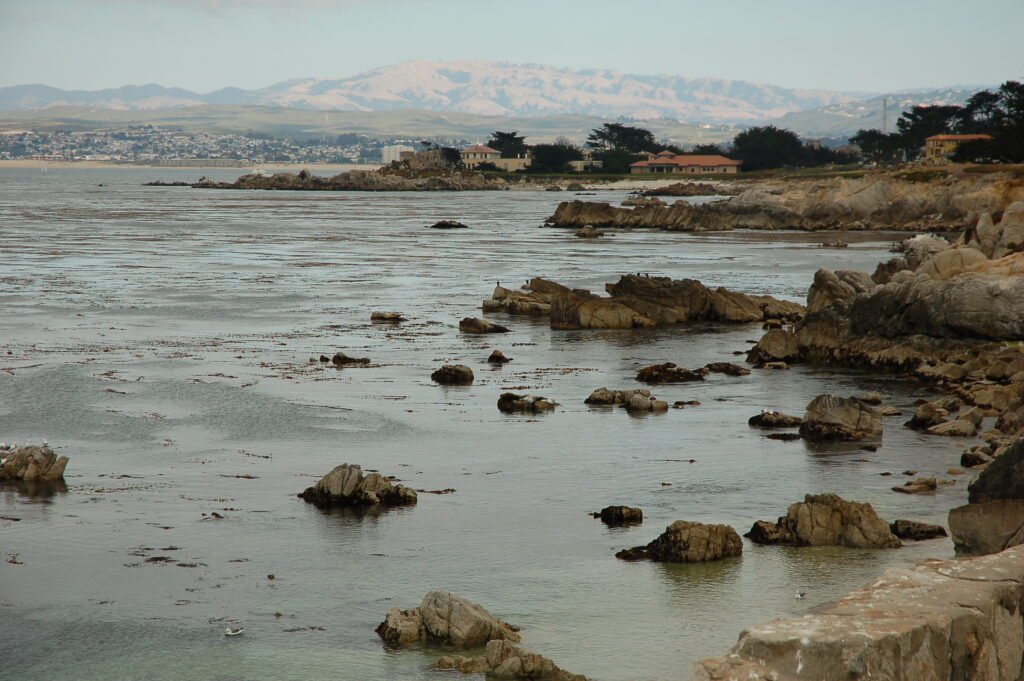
(690, 164)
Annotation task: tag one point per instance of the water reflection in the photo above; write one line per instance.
(34, 490)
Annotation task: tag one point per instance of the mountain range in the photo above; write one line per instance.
(484, 88)
(493, 90)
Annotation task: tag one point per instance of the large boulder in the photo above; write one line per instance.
(1003, 479)
(347, 486)
(505, 660)
(993, 520)
(827, 520)
(836, 289)
(447, 619)
(829, 417)
(915, 530)
(621, 515)
(687, 542)
(1011, 231)
(33, 464)
(777, 345)
(581, 309)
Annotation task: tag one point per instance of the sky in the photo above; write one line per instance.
(202, 45)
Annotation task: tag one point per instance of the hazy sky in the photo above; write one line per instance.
(202, 45)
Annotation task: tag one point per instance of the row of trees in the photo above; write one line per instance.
(999, 113)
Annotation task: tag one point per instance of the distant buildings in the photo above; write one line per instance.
(939, 148)
(668, 162)
(588, 162)
(395, 152)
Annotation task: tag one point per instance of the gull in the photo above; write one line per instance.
(229, 631)
(800, 595)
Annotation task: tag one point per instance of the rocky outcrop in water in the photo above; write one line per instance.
(916, 531)
(447, 619)
(876, 201)
(453, 374)
(382, 180)
(533, 300)
(347, 486)
(668, 372)
(504, 660)
(32, 463)
(687, 542)
(826, 520)
(774, 419)
(829, 417)
(937, 621)
(615, 516)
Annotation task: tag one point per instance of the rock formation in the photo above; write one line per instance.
(498, 357)
(340, 359)
(448, 224)
(32, 463)
(391, 317)
(447, 619)
(774, 419)
(533, 300)
(453, 374)
(826, 520)
(686, 542)
(829, 417)
(916, 531)
(606, 397)
(668, 372)
(347, 486)
(504, 660)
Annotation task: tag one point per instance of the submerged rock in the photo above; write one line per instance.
(447, 619)
(477, 325)
(668, 372)
(32, 463)
(916, 531)
(505, 660)
(453, 374)
(498, 357)
(341, 359)
(347, 486)
(589, 232)
(510, 403)
(392, 317)
(774, 419)
(826, 520)
(604, 396)
(829, 417)
(687, 542)
(621, 515)
(727, 368)
(448, 224)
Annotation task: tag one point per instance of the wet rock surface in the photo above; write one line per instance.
(511, 403)
(477, 325)
(668, 372)
(346, 485)
(826, 520)
(917, 531)
(688, 542)
(937, 620)
(774, 419)
(621, 515)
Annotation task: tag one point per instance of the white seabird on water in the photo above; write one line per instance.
(800, 595)
(231, 631)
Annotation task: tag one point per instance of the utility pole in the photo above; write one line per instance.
(885, 115)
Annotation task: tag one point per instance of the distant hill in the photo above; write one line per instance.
(305, 124)
(473, 87)
(842, 120)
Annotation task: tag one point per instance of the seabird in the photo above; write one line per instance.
(800, 595)
(229, 631)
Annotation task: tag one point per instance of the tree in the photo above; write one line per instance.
(768, 147)
(878, 146)
(619, 137)
(921, 122)
(708, 150)
(554, 157)
(510, 144)
(1000, 114)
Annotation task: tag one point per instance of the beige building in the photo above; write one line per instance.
(691, 164)
(511, 165)
(477, 154)
(938, 148)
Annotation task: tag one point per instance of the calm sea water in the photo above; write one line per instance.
(160, 337)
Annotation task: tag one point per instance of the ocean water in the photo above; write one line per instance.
(161, 338)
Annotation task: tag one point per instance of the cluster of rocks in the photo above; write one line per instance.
(876, 201)
(634, 401)
(449, 620)
(692, 189)
(32, 463)
(347, 486)
(993, 518)
(638, 302)
(382, 180)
